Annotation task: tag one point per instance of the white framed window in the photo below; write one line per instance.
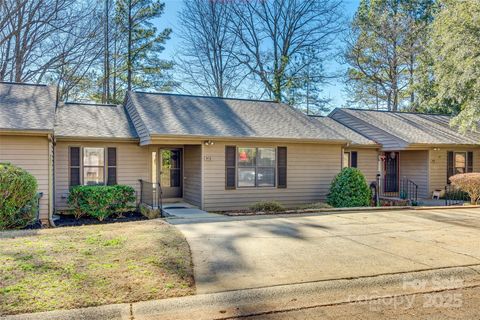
(256, 167)
(460, 161)
(93, 166)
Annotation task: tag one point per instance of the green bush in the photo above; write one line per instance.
(267, 206)
(100, 201)
(349, 189)
(124, 195)
(18, 197)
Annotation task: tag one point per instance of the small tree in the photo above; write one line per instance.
(470, 183)
(349, 189)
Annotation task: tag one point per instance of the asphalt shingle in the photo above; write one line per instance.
(170, 114)
(27, 107)
(344, 132)
(93, 121)
(413, 128)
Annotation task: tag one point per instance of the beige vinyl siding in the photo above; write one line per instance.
(414, 166)
(192, 173)
(438, 165)
(367, 162)
(132, 165)
(310, 170)
(31, 154)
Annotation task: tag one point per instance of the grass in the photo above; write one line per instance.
(75, 267)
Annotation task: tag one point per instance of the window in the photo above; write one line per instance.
(460, 162)
(350, 159)
(93, 166)
(256, 167)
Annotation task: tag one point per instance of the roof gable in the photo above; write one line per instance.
(345, 132)
(403, 129)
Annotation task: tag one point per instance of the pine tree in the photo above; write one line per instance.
(140, 45)
(385, 40)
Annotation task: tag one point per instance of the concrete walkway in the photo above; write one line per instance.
(185, 211)
(254, 252)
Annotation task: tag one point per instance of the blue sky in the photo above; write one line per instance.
(335, 90)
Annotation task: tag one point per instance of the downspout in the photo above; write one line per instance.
(51, 174)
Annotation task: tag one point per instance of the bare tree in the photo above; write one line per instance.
(273, 36)
(206, 62)
(41, 39)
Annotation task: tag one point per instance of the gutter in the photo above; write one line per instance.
(51, 184)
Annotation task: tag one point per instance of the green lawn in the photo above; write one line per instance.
(74, 267)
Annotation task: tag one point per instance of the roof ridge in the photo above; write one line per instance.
(401, 112)
(90, 104)
(206, 97)
(25, 83)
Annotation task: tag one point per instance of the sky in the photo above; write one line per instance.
(334, 90)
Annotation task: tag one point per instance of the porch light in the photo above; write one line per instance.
(392, 155)
(209, 143)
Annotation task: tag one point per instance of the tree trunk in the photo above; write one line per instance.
(129, 54)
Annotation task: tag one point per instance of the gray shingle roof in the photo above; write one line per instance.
(344, 132)
(94, 121)
(27, 107)
(173, 115)
(403, 128)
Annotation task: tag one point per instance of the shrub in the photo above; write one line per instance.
(349, 189)
(267, 206)
(124, 195)
(18, 197)
(149, 212)
(469, 183)
(100, 201)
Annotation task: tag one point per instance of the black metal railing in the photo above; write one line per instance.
(454, 196)
(151, 195)
(407, 190)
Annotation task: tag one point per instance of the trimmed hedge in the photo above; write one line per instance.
(349, 189)
(100, 201)
(18, 197)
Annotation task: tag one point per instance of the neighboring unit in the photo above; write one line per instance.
(27, 115)
(423, 148)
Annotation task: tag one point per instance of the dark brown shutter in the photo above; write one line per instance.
(282, 167)
(230, 167)
(469, 161)
(112, 166)
(353, 159)
(74, 166)
(450, 169)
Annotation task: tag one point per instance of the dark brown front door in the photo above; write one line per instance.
(390, 179)
(171, 173)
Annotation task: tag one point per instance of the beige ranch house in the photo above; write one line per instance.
(220, 154)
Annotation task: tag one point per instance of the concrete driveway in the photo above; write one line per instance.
(251, 252)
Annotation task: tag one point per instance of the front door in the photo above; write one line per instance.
(391, 172)
(171, 173)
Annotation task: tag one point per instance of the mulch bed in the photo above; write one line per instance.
(70, 221)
